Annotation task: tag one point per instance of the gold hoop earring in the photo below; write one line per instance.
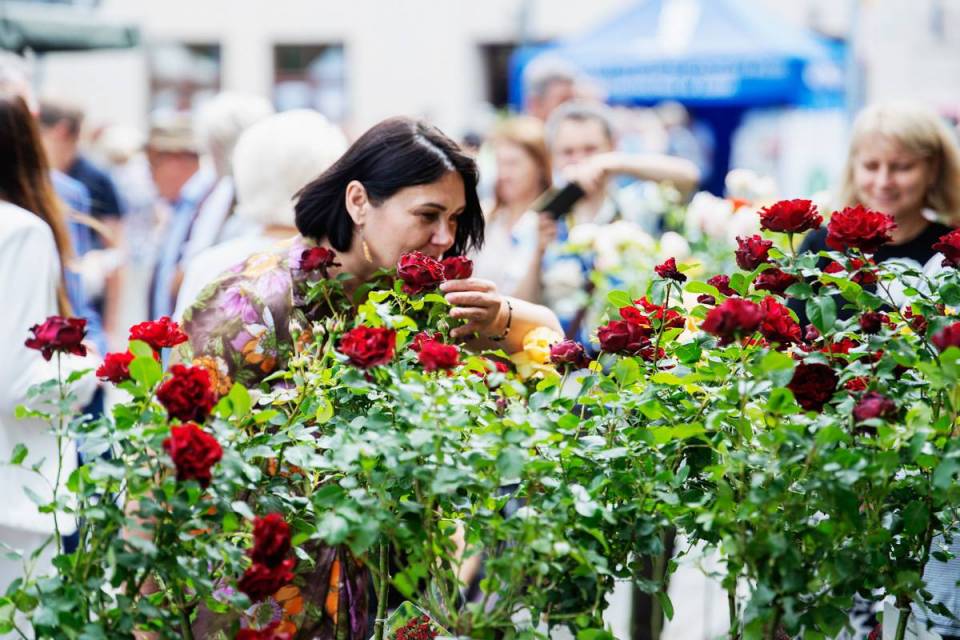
(366, 250)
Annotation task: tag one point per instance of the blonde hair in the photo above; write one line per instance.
(921, 132)
(528, 133)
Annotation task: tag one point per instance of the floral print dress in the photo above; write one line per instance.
(244, 326)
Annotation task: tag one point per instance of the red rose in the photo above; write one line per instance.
(368, 346)
(194, 452)
(872, 321)
(707, 299)
(752, 252)
(669, 270)
(435, 355)
(857, 384)
(916, 321)
(735, 317)
(777, 325)
(621, 336)
(271, 540)
(419, 272)
(947, 337)
(858, 268)
(188, 395)
(672, 320)
(57, 334)
(874, 405)
(261, 581)
(115, 367)
(158, 333)
(569, 353)
(417, 343)
(457, 268)
(318, 259)
(270, 632)
(949, 246)
(859, 228)
(722, 284)
(790, 216)
(840, 347)
(774, 280)
(813, 385)
(811, 333)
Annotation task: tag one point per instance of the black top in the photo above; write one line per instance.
(104, 201)
(919, 249)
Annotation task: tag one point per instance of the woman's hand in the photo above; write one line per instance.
(477, 301)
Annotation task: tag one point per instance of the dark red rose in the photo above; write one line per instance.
(722, 284)
(669, 270)
(843, 346)
(949, 246)
(752, 252)
(874, 405)
(270, 632)
(417, 343)
(670, 318)
(418, 628)
(947, 337)
(158, 333)
(733, 318)
(261, 581)
(318, 259)
(876, 633)
(569, 353)
(636, 317)
(916, 321)
(115, 367)
(194, 452)
(774, 280)
(790, 216)
(872, 321)
(857, 384)
(419, 272)
(778, 326)
(271, 540)
(859, 269)
(811, 333)
(457, 268)
(706, 299)
(859, 228)
(188, 395)
(813, 385)
(621, 336)
(368, 346)
(57, 334)
(435, 355)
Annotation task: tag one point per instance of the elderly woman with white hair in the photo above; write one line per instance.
(272, 161)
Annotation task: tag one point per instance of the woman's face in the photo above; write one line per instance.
(420, 218)
(518, 177)
(889, 178)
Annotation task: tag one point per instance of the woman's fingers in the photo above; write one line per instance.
(473, 299)
(474, 313)
(468, 284)
(466, 330)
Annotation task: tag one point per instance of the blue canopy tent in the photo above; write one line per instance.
(717, 57)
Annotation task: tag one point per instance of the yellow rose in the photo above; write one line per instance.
(537, 343)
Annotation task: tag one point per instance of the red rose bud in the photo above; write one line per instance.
(722, 284)
(860, 273)
(569, 353)
(811, 334)
(778, 326)
(57, 334)
(261, 581)
(270, 632)
(733, 318)
(947, 337)
(435, 355)
(790, 216)
(457, 268)
(115, 367)
(417, 343)
(194, 452)
(620, 336)
(271, 540)
(857, 384)
(368, 346)
(670, 318)
(949, 246)
(669, 271)
(774, 280)
(752, 252)
(158, 333)
(872, 321)
(874, 405)
(859, 228)
(706, 299)
(419, 272)
(318, 259)
(188, 395)
(813, 385)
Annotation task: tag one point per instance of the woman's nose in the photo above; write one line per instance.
(443, 236)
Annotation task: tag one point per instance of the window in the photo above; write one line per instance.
(183, 75)
(311, 77)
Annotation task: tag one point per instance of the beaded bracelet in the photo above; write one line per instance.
(506, 329)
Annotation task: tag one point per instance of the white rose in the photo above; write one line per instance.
(674, 245)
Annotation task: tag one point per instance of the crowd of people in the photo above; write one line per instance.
(203, 195)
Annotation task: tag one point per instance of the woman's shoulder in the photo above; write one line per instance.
(17, 220)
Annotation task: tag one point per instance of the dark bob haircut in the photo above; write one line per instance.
(393, 155)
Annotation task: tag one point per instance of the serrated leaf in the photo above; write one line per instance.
(140, 349)
(146, 371)
(822, 312)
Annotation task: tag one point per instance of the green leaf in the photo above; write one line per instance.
(915, 517)
(688, 353)
(739, 283)
(239, 400)
(665, 604)
(665, 377)
(944, 473)
(702, 287)
(822, 312)
(950, 292)
(19, 454)
(242, 508)
(619, 298)
(626, 371)
(325, 410)
(141, 349)
(146, 371)
(781, 401)
(595, 634)
(778, 367)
